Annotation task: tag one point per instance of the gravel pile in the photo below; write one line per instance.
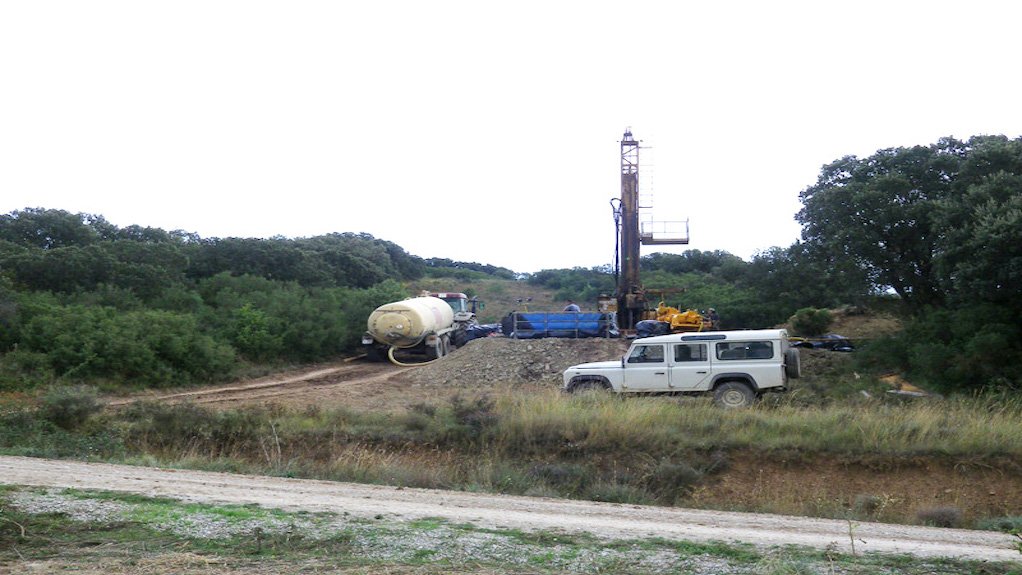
(504, 360)
(75, 508)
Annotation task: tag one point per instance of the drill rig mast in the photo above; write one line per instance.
(630, 295)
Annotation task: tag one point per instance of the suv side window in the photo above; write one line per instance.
(652, 353)
(690, 352)
(745, 350)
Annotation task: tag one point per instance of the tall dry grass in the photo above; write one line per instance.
(987, 426)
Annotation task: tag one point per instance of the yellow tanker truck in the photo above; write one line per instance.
(430, 325)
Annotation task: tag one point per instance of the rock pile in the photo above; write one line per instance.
(505, 360)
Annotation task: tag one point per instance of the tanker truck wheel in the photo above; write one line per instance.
(438, 350)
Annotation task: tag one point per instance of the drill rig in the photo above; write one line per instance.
(632, 233)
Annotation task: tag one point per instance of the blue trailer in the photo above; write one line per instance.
(535, 325)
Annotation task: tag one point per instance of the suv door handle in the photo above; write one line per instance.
(702, 372)
(660, 373)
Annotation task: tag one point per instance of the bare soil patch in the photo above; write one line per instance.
(880, 488)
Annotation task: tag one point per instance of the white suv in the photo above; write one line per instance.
(737, 366)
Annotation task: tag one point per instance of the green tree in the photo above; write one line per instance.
(45, 229)
(84, 343)
(787, 279)
(61, 269)
(982, 251)
(881, 213)
(706, 262)
(936, 224)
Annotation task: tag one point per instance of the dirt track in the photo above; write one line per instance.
(354, 383)
(495, 511)
(484, 366)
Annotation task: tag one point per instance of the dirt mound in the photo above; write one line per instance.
(506, 360)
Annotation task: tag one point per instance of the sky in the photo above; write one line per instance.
(481, 131)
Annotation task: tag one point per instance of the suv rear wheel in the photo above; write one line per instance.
(734, 394)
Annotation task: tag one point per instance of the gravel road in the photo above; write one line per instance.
(509, 512)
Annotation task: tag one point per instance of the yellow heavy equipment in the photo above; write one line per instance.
(688, 320)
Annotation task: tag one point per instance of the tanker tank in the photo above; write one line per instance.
(405, 324)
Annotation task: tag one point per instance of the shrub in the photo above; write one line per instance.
(668, 479)
(940, 516)
(619, 493)
(69, 407)
(24, 370)
(866, 504)
(1011, 524)
(960, 350)
(810, 321)
(474, 417)
(565, 477)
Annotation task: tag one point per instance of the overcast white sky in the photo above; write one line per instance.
(480, 131)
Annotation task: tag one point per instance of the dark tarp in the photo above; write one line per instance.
(831, 341)
(651, 327)
(481, 330)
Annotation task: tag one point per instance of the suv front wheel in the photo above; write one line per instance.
(734, 394)
(587, 385)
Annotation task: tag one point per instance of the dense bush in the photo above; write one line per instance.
(811, 322)
(68, 407)
(443, 267)
(151, 348)
(976, 347)
(579, 284)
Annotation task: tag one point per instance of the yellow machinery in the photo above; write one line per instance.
(688, 320)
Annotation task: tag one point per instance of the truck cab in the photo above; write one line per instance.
(463, 307)
(737, 367)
